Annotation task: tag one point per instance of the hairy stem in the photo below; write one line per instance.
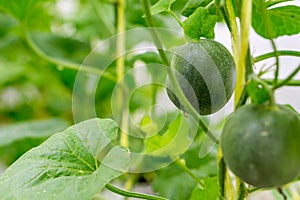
(290, 77)
(278, 53)
(288, 83)
(132, 194)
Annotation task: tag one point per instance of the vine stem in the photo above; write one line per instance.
(176, 87)
(181, 163)
(175, 17)
(66, 64)
(120, 49)
(282, 83)
(246, 15)
(132, 194)
(278, 53)
(288, 83)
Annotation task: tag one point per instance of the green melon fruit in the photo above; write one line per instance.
(261, 145)
(205, 71)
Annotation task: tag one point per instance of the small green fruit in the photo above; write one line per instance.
(261, 145)
(205, 71)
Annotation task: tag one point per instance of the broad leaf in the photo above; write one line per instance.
(210, 192)
(161, 6)
(200, 24)
(30, 129)
(275, 22)
(65, 166)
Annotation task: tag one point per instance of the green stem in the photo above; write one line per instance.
(179, 93)
(249, 71)
(66, 64)
(175, 17)
(246, 16)
(181, 163)
(120, 68)
(289, 83)
(279, 53)
(276, 73)
(290, 77)
(132, 194)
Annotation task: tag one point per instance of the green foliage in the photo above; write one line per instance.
(30, 129)
(161, 6)
(19, 9)
(173, 142)
(209, 192)
(42, 173)
(43, 44)
(200, 24)
(275, 22)
(257, 92)
(192, 5)
(172, 179)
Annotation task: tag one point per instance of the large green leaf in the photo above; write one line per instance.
(275, 22)
(200, 24)
(65, 166)
(30, 129)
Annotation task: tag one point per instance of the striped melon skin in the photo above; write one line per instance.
(261, 145)
(205, 71)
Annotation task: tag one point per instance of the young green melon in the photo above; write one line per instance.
(205, 71)
(261, 145)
